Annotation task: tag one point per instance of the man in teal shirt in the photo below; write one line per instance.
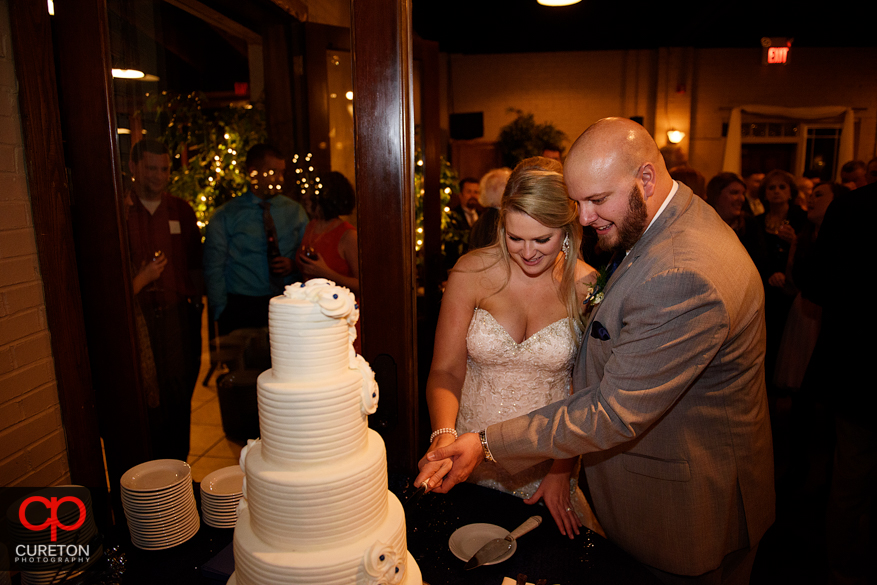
(250, 245)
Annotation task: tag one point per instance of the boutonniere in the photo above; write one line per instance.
(595, 293)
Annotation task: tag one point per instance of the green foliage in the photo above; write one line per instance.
(448, 182)
(523, 137)
(207, 146)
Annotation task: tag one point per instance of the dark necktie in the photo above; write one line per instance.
(273, 248)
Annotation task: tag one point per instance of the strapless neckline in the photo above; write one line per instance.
(511, 339)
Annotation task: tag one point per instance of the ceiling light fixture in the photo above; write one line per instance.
(558, 2)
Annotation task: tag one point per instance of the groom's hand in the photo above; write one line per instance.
(465, 454)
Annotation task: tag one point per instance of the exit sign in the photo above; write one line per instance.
(777, 55)
(775, 50)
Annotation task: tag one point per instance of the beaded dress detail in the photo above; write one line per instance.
(505, 379)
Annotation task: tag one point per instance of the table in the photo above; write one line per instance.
(542, 554)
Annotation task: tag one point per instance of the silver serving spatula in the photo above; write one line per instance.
(499, 546)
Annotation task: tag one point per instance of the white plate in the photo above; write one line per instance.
(156, 475)
(156, 495)
(466, 541)
(224, 482)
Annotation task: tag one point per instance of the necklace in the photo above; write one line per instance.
(772, 224)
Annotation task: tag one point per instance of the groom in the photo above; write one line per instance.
(669, 411)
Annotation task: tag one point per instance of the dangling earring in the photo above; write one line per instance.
(565, 247)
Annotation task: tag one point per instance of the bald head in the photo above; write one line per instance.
(616, 143)
(613, 167)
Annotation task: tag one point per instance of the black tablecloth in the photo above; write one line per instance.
(541, 554)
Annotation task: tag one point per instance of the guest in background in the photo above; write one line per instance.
(805, 188)
(769, 239)
(753, 183)
(673, 156)
(871, 171)
(492, 185)
(553, 151)
(726, 192)
(691, 178)
(168, 284)
(250, 245)
(802, 324)
(462, 215)
(841, 373)
(329, 248)
(853, 174)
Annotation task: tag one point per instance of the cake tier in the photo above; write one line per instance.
(304, 343)
(372, 559)
(311, 507)
(310, 329)
(306, 423)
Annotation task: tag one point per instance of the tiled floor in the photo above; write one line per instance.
(209, 450)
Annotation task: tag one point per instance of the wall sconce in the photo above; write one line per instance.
(675, 136)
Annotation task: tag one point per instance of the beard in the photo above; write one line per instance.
(631, 228)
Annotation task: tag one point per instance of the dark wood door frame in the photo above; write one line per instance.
(88, 123)
(384, 153)
(52, 218)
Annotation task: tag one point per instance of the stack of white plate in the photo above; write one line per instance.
(159, 504)
(220, 493)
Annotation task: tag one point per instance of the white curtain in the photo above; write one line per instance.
(733, 144)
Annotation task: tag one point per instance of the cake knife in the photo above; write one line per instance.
(499, 546)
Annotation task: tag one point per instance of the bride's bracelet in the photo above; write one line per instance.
(444, 431)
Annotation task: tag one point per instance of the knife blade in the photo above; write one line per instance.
(414, 497)
(499, 546)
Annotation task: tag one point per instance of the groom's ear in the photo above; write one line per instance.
(649, 177)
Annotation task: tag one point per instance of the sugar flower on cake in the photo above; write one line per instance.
(333, 300)
(244, 451)
(370, 393)
(382, 565)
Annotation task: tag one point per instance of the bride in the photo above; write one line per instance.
(507, 336)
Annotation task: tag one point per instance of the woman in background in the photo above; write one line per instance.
(726, 192)
(329, 248)
(769, 239)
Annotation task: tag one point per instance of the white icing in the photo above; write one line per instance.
(316, 509)
(370, 392)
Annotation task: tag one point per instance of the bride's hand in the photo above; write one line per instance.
(434, 471)
(554, 490)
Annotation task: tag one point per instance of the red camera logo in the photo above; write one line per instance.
(52, 505)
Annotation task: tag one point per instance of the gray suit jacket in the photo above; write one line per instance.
(670, 411)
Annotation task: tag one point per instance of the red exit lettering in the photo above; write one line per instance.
(777, 54)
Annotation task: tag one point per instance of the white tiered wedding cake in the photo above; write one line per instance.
(316, 508)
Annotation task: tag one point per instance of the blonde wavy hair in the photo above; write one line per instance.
(536, 187)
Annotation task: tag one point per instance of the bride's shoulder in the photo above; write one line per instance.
(483, 271)
(482, 260)
(585, 273)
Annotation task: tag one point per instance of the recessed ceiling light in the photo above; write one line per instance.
(558, 2)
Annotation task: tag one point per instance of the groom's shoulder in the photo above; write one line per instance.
(698, 241)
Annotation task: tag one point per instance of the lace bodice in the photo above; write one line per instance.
(505, 379)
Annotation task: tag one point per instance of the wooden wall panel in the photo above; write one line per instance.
(384, 183)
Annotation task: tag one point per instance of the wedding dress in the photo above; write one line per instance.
(505, 379)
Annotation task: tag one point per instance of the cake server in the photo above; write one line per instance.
(499, 546)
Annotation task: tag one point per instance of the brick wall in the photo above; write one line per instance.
(33, 448)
